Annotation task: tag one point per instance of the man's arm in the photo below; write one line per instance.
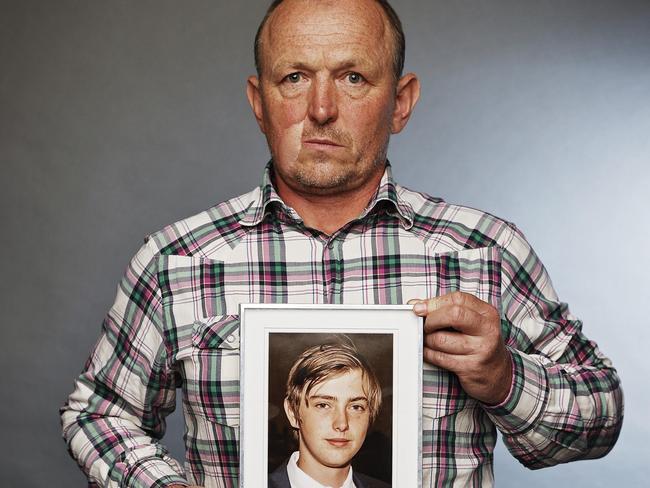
(548, 389)
(114, 417)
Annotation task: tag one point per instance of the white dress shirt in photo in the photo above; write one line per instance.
(299, 479)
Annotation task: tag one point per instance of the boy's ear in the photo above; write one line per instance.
(292, 418)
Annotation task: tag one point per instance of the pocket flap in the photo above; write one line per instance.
(217, 332)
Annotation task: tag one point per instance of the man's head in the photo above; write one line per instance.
(329, 92)
(332, 398)
(398, 41)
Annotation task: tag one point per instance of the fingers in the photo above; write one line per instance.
(461, 311)
(462, 334)
(424, 307)
(441, 359)
(450, 342)
(457, 317)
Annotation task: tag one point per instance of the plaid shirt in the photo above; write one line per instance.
(175, 324)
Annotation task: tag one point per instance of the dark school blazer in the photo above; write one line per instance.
(280, 479)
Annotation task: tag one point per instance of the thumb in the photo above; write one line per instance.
(425, 307)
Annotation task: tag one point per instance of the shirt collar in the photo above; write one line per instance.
(265, 195)
(387, 193)
(299, 479)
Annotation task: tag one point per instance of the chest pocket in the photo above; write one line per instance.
(212, 382)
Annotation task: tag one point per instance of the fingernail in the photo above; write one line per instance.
(420, 308)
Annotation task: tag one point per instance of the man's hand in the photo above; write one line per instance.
(463, 334)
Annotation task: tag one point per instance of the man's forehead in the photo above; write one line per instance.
(309, 24)
(321, 15)
(307, 57)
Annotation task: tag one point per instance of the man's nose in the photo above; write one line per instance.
(340, 422)
(323, 107)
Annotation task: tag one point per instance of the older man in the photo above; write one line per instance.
(329, 225)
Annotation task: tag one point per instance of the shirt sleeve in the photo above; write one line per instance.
(115, 416)
(565, 402)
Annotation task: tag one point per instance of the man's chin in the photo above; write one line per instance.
(322, 175)
(324, 180)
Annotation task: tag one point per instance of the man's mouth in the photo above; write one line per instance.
(321, 143)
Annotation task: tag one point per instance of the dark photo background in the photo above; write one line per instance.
(375, 457)
(117, 118)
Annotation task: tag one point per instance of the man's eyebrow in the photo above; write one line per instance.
(351, 63)
(289, 65)
(300, 65)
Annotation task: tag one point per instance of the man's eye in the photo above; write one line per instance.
(358, 408)
(321, 405)
(354, 78)
(293, 77)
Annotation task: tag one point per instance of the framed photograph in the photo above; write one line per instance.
(330, 392)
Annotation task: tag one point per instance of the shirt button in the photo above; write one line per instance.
(230, 338)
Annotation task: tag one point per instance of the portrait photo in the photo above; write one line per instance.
(339, 388)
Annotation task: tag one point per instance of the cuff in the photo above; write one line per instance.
(527, 398)
(150, 467)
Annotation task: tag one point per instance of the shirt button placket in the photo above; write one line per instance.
(334, 271)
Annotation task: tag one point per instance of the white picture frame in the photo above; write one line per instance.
(272, 334)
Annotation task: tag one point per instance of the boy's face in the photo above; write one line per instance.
(333, 423)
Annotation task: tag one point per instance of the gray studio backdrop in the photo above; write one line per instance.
(119, 117)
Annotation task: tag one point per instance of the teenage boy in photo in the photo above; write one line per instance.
(332, 398)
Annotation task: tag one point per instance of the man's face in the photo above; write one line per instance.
(326, 95)
(334, 422)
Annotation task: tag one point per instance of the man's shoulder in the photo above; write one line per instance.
(217, 226)
(459, 226)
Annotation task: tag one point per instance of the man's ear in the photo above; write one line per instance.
(292, 418)
(407, 95)
(254, 96)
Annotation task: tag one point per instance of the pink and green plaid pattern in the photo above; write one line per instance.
(174, 325)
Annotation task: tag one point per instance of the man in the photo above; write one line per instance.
(329, 225)
(332, 398)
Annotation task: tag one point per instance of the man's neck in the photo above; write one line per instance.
(328, 213)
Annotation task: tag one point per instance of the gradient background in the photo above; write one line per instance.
(119, 117)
